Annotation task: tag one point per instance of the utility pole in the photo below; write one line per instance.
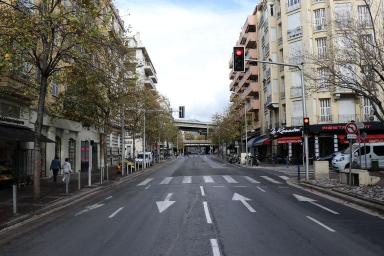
(122, 141)
(246, 134)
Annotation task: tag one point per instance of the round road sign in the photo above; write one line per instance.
(351, 128)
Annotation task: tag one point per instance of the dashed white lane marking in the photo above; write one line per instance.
(187, 179)
(89, 208)
(241, 186)
(215, 247)
(145, 182)
(207, 214)
(208, 179)
(259, 188)
(202, 191)
(147, 187)
(270, 179)
(107, 198)
(284, 177)
(324, 208)
(229, 179)
(252, 180)
(321, 224)
(219, 186)
(166, 180)
(115, 212)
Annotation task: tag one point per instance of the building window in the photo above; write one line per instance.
(72, 153)
(322, 78)
(367, 110)
(293, 2)
(363, 15)
(8, 110)
(54, 89)
(321, 47)
(325, 110)
(343, 15)
(319, 17)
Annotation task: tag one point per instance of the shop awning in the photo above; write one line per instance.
(290, 139)
(261, 140)
(250, 142)
(19, 133)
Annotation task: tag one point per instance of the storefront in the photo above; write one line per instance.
(288, 143)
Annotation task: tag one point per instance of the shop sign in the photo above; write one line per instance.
(282, 131)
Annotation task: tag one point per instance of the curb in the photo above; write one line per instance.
(371, 205)
(70, 200)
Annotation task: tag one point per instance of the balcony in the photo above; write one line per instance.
(252, 90)
(154, 79)
(14, 85)
(249, 25)
(149, 84)
(297, 121)
(251, 75)
(296, 92)
(324, 119)
(294, 7)
(253, 105)
(295, 33)
(149, 69)
(251, 54)
(250, 42)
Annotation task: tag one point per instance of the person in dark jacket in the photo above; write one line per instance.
(55, 167)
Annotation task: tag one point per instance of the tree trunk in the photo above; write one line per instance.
(133, 145)
(38, 129)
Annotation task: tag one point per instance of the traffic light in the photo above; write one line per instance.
(181, 111)
(238, 58)
(306, 125)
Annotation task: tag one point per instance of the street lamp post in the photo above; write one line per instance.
(246, 134)
(301, 69)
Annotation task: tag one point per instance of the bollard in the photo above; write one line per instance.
(298, 172)
(14, 190)
(79, 182)
(101, 175)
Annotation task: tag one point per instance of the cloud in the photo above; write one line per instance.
(190, 47)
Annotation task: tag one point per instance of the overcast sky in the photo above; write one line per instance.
(190, 44)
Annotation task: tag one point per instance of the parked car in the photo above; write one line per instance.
(328, 158)
(148, 159)
(362, 155)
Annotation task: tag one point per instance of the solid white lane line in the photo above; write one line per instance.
(208, 179)
(252, 180)
(187, 179)
(166, 180)
(115, 212)
(321, 224)
(270, 179)
(168, 197)
(107, 198)
(147, 187)
(241, 186)
(229, 179)
(259, 188)
(207, 214)
(215, 248)
(324, 208)
(220, 186)
(284, 177)
(145, 182)
(202, 191)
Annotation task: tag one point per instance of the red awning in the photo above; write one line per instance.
(291, 139)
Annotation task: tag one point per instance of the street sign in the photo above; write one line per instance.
(351, 128)
(360, 125)
(351, 136)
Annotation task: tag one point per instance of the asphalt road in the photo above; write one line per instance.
(199, 206)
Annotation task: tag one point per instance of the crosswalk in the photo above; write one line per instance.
(219, 179)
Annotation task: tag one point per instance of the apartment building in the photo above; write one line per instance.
(245, 86)
(294, 31)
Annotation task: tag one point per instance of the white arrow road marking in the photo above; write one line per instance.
(259, 188)
(229, 179)
(313, 201)
(270, 179)
(252, 180)
(166, 180)
(187, 179)
(284, 177)
(115, 212)
(89, 208)
(215, 247)
(163, 205)
(202, 191)
(321, 224)
(208, 179)
(243, 200)
(145, 182)
(207, 214)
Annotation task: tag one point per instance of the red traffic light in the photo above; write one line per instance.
(306, 120)
(239, 52)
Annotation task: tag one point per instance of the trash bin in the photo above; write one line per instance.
(375, 165)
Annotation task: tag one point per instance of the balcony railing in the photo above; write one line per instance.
(295, 33)
(294, 7)
(296, 92)
(325, 119)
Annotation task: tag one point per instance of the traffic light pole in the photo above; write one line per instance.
(301, 69)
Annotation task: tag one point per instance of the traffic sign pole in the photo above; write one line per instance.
(351, 129)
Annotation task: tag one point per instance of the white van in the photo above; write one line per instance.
(363, 157)
(148, 158)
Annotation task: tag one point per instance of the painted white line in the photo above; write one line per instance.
(241, 186)
(284, 177)
(207, 214)
(321, 224)
(208, 179)
(202, 191)
(215, 248)
(324, 208)
(166, 180)
(89, 208)
(259, 188)
(145, 182)
(220, 186)
(243, 200)
(187, 179)
(107, 198)
(270, 179)
(116, 212)
(147, 187)
(252, 180)
(229, 179)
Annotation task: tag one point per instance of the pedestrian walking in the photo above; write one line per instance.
(67, 169)
(55, 167)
